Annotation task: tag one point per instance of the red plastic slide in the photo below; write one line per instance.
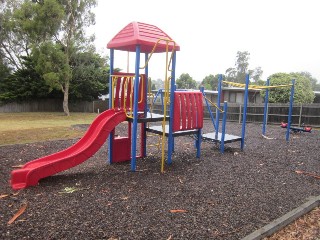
(89, 144)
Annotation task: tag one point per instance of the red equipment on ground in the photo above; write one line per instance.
(296, 129)
(89, 144)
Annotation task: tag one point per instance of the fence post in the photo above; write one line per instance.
(300, 115)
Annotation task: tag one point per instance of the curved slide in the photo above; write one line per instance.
(89, 144)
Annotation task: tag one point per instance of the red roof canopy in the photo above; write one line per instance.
(145, 35)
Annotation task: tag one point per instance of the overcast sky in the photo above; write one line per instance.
(280, 35)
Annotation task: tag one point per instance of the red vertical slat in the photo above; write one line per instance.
(183, 112)
(177, 112)
(116, 94)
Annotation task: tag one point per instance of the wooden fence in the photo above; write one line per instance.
(308, 114)
(54, 105)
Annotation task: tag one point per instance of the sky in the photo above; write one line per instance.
(280, 35)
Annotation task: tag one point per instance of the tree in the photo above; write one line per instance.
(210, 82)
(56, 29)
(23, 84)
(90, 75)
(13, 40)
(238, 73)
(302, 94)
(314, 83)
(186, 82)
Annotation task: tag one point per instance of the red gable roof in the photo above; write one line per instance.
(142, 34)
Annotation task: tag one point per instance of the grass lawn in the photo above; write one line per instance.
(29, 127)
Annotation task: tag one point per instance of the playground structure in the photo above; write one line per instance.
(128, 103)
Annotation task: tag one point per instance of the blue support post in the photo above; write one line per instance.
(111, 135)
(223, 130)
(265, 110)
(209, 108)
(198, 142)
(144, 125)
(245, 105)
(135, 111)
(290, 111)
(172, 88)
(218, 104)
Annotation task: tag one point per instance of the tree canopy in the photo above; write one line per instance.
(238, 73)
(51, 33)
(185, 81)
(303, 91)
(210, 82)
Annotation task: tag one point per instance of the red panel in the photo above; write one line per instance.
(143, 34)
(120, 86)
(93, 139)
(177, 112)
(188, 111)
(121, 149)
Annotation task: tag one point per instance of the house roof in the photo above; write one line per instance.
(143, 34)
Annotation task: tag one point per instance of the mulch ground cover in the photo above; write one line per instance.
(219, 196)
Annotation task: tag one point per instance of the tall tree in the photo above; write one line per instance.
(210, 82)
(314, 82)
(13, 40)
(90, 75)
(57, 29)
(302, 94)
(186, 82)
(238, 73)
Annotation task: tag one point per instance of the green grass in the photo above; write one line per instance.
(29, 127)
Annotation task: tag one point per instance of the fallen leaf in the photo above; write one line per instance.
(17, 166)
(308, 174)
(178, 211)
(21, 210)
(3, 196)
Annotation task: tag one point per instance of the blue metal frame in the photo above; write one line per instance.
(135, 111)
(111, 135)
(218, 104)
(172, 89)
(290, 111)
(266, 102)
(224, 121)
(244, 118)
(209, 107)
(144, 125)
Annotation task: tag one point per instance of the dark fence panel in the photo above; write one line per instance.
(54, 105)
(308, 114)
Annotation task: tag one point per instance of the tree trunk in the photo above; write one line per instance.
(66, 99)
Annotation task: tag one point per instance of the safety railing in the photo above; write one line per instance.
(123, 89)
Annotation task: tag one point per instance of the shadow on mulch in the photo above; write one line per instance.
(219, 196)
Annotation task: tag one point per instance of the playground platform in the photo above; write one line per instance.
(228, 138)
(158, 130)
